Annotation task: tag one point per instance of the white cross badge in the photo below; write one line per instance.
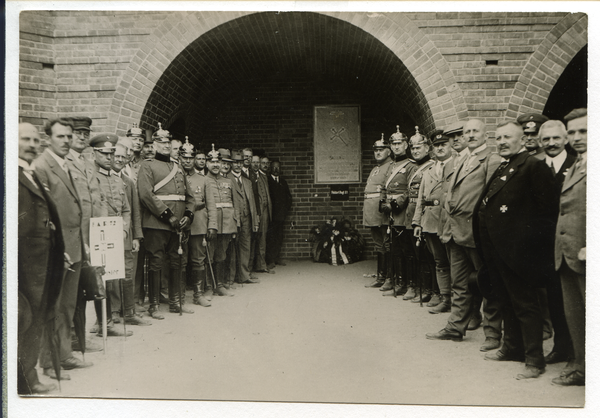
(503, 208)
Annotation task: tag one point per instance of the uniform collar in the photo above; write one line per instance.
(103, 171)
(163, 158)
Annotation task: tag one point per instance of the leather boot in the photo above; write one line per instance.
(198, 277)
(411, 293)
(380, 277)
(443, 307)
(175, 293)
(436, 299)
(220, 273)
(426, 297)
(154, 278)
(387, 285)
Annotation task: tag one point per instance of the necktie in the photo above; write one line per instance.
(277, 179)
(440, 168)
(29, 174)
(501, 167)
(552, 168)
(239, 180)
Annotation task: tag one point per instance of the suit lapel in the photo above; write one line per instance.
(509, 171)
(24, 180)
(574, 176)
(60, 173)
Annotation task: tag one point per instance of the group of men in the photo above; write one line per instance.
(222, 212)
(504, 234)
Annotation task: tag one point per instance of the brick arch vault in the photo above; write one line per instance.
(194, 60)
(547, 63)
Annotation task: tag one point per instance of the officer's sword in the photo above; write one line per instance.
(212, 273)
(180, 252)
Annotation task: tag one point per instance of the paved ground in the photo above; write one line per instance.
(309, 333)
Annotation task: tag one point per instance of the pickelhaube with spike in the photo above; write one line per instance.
(187, 149)
(417, 138)
(398, 136)
(135, 132)
(213, 155)
(381, 143)
(161, 135)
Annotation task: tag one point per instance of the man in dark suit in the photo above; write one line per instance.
(514, 222)
(281, 199)
(243, 201)
(570, 248)
(41, 255)
(251, 175)
(553, 138)
(52, 171)
(265, 205)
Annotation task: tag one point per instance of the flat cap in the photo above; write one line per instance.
(454, 128)
(82, 123)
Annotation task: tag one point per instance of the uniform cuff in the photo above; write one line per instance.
(166, 215)
(189, 214)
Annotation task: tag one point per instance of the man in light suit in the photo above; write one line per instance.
(470, 177)
(243, 200)
(41, 255)
(251, 175)
(427, 216)
(570, 248)
(514, 221)
(266, 209)
(53, 172)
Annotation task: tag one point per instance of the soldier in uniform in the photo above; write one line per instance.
(373, 218)
(137, 139)
(231, 256)
(168, 210)
(427, 217)
(531, 123)
(117, 206)
(424, 263)
(396, 186)
(203, 229)
(227, 224)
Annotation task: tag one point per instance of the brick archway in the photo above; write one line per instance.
(438, 97)
(547, 63)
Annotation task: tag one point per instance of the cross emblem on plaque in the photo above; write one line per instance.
(337, 134)
(503, 208)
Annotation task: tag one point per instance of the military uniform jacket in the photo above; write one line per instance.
(222, 189)
(133, 168)
(374, 192)
(136, 215)
(116, 199)
(414, 184)
(466, 184)
(205, 210)
(60, 188)
(396, 188)
(243, 200)
(570, 230)
(40, 250)
(519, 206)
(174, 197)
(91, 196)
(430, 197)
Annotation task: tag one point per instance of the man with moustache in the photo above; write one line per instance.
(40, 263)
(375, 207)
(513, 224)
(137, 137)
(466, 184)
(570, 248)
(133, 238)
(251, 175)
(265, 205)
(427, 216)
(457, 140)
(52, 171)
(231, 253)
(118, 206)
(531, 123)
(394, 207)
(148, 152)
(168, 210)
(243, 200)
(226, 220)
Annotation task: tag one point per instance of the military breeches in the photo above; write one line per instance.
(161, 243)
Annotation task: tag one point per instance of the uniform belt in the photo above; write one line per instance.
(372, 195)
(224, 205)
(434, 202)
(173, 197)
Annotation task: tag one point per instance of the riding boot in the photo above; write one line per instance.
(175, 292)
(209, 278)
(198, 277)
(411, 293)
(154, 279)
(380, 276)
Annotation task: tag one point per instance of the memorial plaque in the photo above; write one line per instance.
(337, 144)
(106, 246)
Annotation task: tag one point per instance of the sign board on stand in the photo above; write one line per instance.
(106, 246)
